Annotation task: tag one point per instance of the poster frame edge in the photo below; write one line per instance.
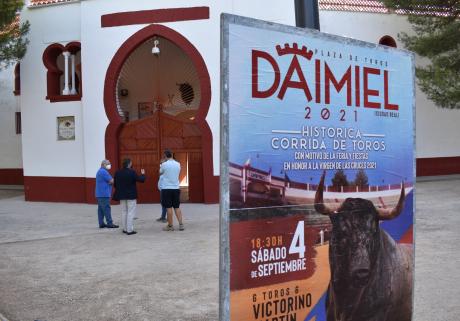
(224, 206)
(224, 253)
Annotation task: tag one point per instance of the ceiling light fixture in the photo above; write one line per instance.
(155, 49)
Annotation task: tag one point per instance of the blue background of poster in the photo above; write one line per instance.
(253, 119)
(261, 184)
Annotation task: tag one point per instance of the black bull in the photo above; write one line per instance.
(371, 275)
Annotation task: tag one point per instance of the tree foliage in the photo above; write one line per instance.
(437, 37)
(339, 179)
(361, 179)
(13, 43)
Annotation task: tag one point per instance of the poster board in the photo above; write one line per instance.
(317, 176)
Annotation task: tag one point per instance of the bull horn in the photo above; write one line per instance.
(320, 207)
(387, 214)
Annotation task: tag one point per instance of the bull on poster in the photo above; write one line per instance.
(318, 173)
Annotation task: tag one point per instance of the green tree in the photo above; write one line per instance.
(361, 179)
(13, 43)
(339, 179)
(437, 36)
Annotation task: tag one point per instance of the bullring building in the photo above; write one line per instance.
(115, 79)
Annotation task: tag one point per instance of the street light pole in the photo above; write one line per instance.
(307, 14)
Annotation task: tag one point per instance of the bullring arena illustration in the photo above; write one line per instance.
(258, 197)
(252, 187)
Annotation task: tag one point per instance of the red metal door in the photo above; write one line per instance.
(139, 141)
(144, 140)
(195, 167)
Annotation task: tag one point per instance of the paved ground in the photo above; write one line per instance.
(55, 264)
(437, 250)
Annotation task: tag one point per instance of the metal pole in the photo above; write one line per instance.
(307, 14)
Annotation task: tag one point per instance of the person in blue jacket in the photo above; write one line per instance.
(103, 193)
(126, 192)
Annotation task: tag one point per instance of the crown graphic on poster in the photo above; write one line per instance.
(294, 50)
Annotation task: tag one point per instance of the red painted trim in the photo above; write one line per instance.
(55, 189)
(90, 187)
(11, 176)
(154, 16)
(73, 47)
(81, 190)
(211, 182)
(438, 166)
(53, 74)
(50, 55)
(59, 189)
(58, 98)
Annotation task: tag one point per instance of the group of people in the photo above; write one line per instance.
(124, 181)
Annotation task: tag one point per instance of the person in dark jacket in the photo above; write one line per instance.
(126, 192)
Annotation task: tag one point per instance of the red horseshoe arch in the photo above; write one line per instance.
(210, 182)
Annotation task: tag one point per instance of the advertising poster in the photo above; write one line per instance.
(317, 176)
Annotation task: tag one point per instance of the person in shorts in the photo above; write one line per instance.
(170, 190)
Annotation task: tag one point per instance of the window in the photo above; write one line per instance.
(388, 41)
(17, 79)
(64, 72)
(18, 123)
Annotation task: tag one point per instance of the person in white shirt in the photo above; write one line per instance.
(170, 190)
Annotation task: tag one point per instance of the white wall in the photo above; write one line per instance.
(43, 154)
(10, 142)
(279, 11)
(99, 45)
(437, 133)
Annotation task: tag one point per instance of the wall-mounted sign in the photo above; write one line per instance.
(317, 176)
(66, 128)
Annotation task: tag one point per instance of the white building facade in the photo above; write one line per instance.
(10, 128)
(129, 78)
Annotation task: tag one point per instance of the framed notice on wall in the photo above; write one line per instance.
(66, 128)
(317, 176)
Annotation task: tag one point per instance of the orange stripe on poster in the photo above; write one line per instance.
(248, 304)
